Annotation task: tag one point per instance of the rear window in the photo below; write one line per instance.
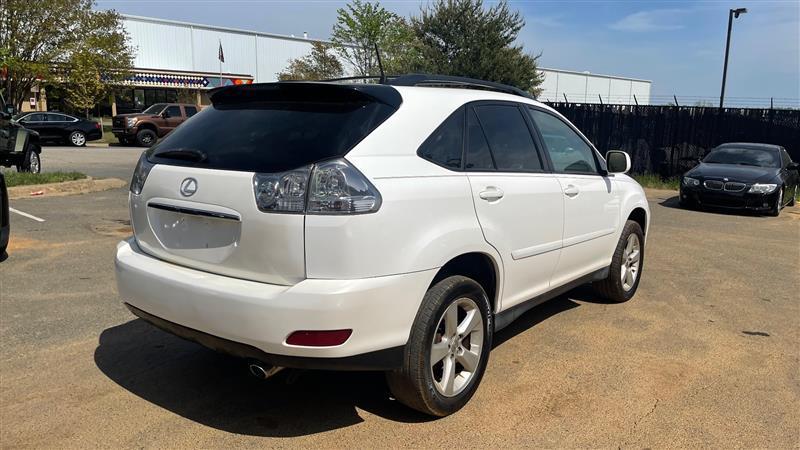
(273, 129)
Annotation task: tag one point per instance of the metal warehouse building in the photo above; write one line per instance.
(585, 87)
(178, 62)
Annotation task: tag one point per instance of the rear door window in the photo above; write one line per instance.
(509, 138)
(445, 145)
(190, 110)
(273, 128)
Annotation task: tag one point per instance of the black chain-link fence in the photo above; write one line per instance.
(668, 140)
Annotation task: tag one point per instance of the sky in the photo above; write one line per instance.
(678, 45)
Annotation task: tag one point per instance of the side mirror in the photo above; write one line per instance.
(618, 161)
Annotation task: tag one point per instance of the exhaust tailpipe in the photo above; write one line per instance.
(263, 371)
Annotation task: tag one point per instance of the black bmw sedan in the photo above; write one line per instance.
(758, 177)
(61, 127)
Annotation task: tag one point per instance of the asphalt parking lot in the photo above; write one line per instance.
(706, 355)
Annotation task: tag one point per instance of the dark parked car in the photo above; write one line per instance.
(60, 127)
(19, 146)
(4, 213)
(758, 177)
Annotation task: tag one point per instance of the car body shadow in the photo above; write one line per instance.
(217, 390)
(673, 202)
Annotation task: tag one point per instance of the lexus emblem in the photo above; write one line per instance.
(188, 187)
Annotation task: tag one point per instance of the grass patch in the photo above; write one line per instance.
(653, 181)
(26, 179)
(108, 136)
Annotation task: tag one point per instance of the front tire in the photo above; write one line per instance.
(626, 266)
(146, 137)
(448, 348)
(31, 162)
(77, 139)
(776, 208)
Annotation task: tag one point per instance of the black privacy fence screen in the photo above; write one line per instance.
(668, 140)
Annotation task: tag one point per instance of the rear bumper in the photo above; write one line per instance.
(251, 319)
(729, 200)
(94, 135)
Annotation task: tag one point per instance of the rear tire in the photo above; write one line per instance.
(146, 138)
(448, 348)
(77, 139)
(625, 270)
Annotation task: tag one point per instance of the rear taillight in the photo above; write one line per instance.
(330, 187)
(140, 174)
(97, 125)
(282, 192)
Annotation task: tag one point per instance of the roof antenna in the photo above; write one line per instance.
(380, 64)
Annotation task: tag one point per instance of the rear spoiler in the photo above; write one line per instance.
(306, 91)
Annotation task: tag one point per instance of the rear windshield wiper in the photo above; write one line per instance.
(184, 154)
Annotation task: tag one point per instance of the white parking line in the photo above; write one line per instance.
(24, 214)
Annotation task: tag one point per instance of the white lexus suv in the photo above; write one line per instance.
(393, 227)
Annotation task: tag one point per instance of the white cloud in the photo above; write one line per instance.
(646, 21)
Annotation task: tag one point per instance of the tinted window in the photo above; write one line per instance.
(35, 118)
(477, 155)
(509, 139)
(445, 145)
(154, 109)
(267, 136)
(173, 111)
(190, 110)
(744, 156)
(59, 118)
(786, 158)
(568, 152)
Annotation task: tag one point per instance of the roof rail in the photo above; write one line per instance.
(423, 79)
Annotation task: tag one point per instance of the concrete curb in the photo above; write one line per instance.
(76, 187)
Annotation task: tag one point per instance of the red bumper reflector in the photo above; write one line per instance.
(325, 338)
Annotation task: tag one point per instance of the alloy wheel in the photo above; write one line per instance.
(456, 347)
(630, 262)
(33, 160)
(78, 139)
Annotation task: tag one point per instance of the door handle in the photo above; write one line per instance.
(491, 193)
(571, 190)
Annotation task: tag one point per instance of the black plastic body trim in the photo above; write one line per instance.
(194, 212)
(388, 359)
(505, 318)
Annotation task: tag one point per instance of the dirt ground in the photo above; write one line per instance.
(706, 355)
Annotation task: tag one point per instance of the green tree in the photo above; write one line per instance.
(463, 38)
(318, 65)
(40, 39)
(361, 25)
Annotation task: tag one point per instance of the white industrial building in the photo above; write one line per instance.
(584, 87)
(178, 61)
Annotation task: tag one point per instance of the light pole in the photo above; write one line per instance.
(733, 13)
